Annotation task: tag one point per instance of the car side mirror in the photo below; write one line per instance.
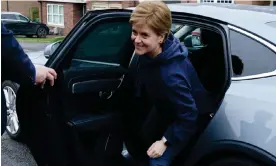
(50, 49)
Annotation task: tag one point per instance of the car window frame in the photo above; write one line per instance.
(84, 35)
(82, 27)
(259, 40)
(18, 18)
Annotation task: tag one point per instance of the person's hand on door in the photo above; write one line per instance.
(44, 73)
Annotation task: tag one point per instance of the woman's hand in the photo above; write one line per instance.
(157, 149)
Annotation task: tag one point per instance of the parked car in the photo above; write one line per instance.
(21, 25)
(78, 121)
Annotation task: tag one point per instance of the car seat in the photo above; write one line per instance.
(209, 62)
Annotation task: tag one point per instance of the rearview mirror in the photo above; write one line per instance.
(50, 49)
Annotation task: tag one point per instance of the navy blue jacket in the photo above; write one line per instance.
(16, 66)
(174, 88)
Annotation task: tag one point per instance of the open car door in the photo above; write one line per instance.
(78, 121)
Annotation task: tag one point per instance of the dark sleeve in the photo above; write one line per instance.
(183, 105)
(16, 65)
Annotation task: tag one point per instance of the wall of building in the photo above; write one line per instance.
(97, 4)
(72, 14)
(22, 7)
(253, 2)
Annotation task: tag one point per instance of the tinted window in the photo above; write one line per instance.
(108, 42)
(21, 18)
(8, 16)
(250, 57)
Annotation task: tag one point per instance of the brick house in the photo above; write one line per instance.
(22, 7)
(62, 15)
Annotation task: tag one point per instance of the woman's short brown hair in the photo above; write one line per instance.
(155, 14)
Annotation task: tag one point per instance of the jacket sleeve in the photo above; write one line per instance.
(16, 65)
(183, 105)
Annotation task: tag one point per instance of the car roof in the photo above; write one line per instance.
(10, 13)
(256, 19)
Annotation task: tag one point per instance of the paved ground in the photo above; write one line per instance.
(30, 47)
(14, 153)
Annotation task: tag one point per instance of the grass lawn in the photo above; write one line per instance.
(40, 40)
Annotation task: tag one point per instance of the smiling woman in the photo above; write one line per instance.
(170, 81)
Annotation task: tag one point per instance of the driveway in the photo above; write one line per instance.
(32, 47)
(14, 153)
(35, 51)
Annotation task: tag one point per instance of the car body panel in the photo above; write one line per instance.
(250, 111)
(247, 117)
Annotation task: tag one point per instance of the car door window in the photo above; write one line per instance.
(8, 16)
(250, 57)
(107, 43)
(21, 18)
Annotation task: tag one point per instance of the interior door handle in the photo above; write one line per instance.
(105, 95)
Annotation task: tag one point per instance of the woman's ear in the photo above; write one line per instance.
(161, 39)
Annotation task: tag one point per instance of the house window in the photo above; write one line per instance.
(217, 1)
(106, 5)
(55, 14)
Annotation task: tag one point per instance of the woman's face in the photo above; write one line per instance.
(145, 40)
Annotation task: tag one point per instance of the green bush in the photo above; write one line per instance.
(34, 14)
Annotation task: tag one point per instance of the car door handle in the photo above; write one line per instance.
(105, 95)
(94, 86)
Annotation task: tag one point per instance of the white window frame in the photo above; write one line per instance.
(214, 1)
(58, 14)
(106, 5)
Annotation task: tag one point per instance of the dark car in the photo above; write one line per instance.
(81, 119)
(21, 25)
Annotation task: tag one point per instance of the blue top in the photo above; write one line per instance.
(16, 65)
(174, 88)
